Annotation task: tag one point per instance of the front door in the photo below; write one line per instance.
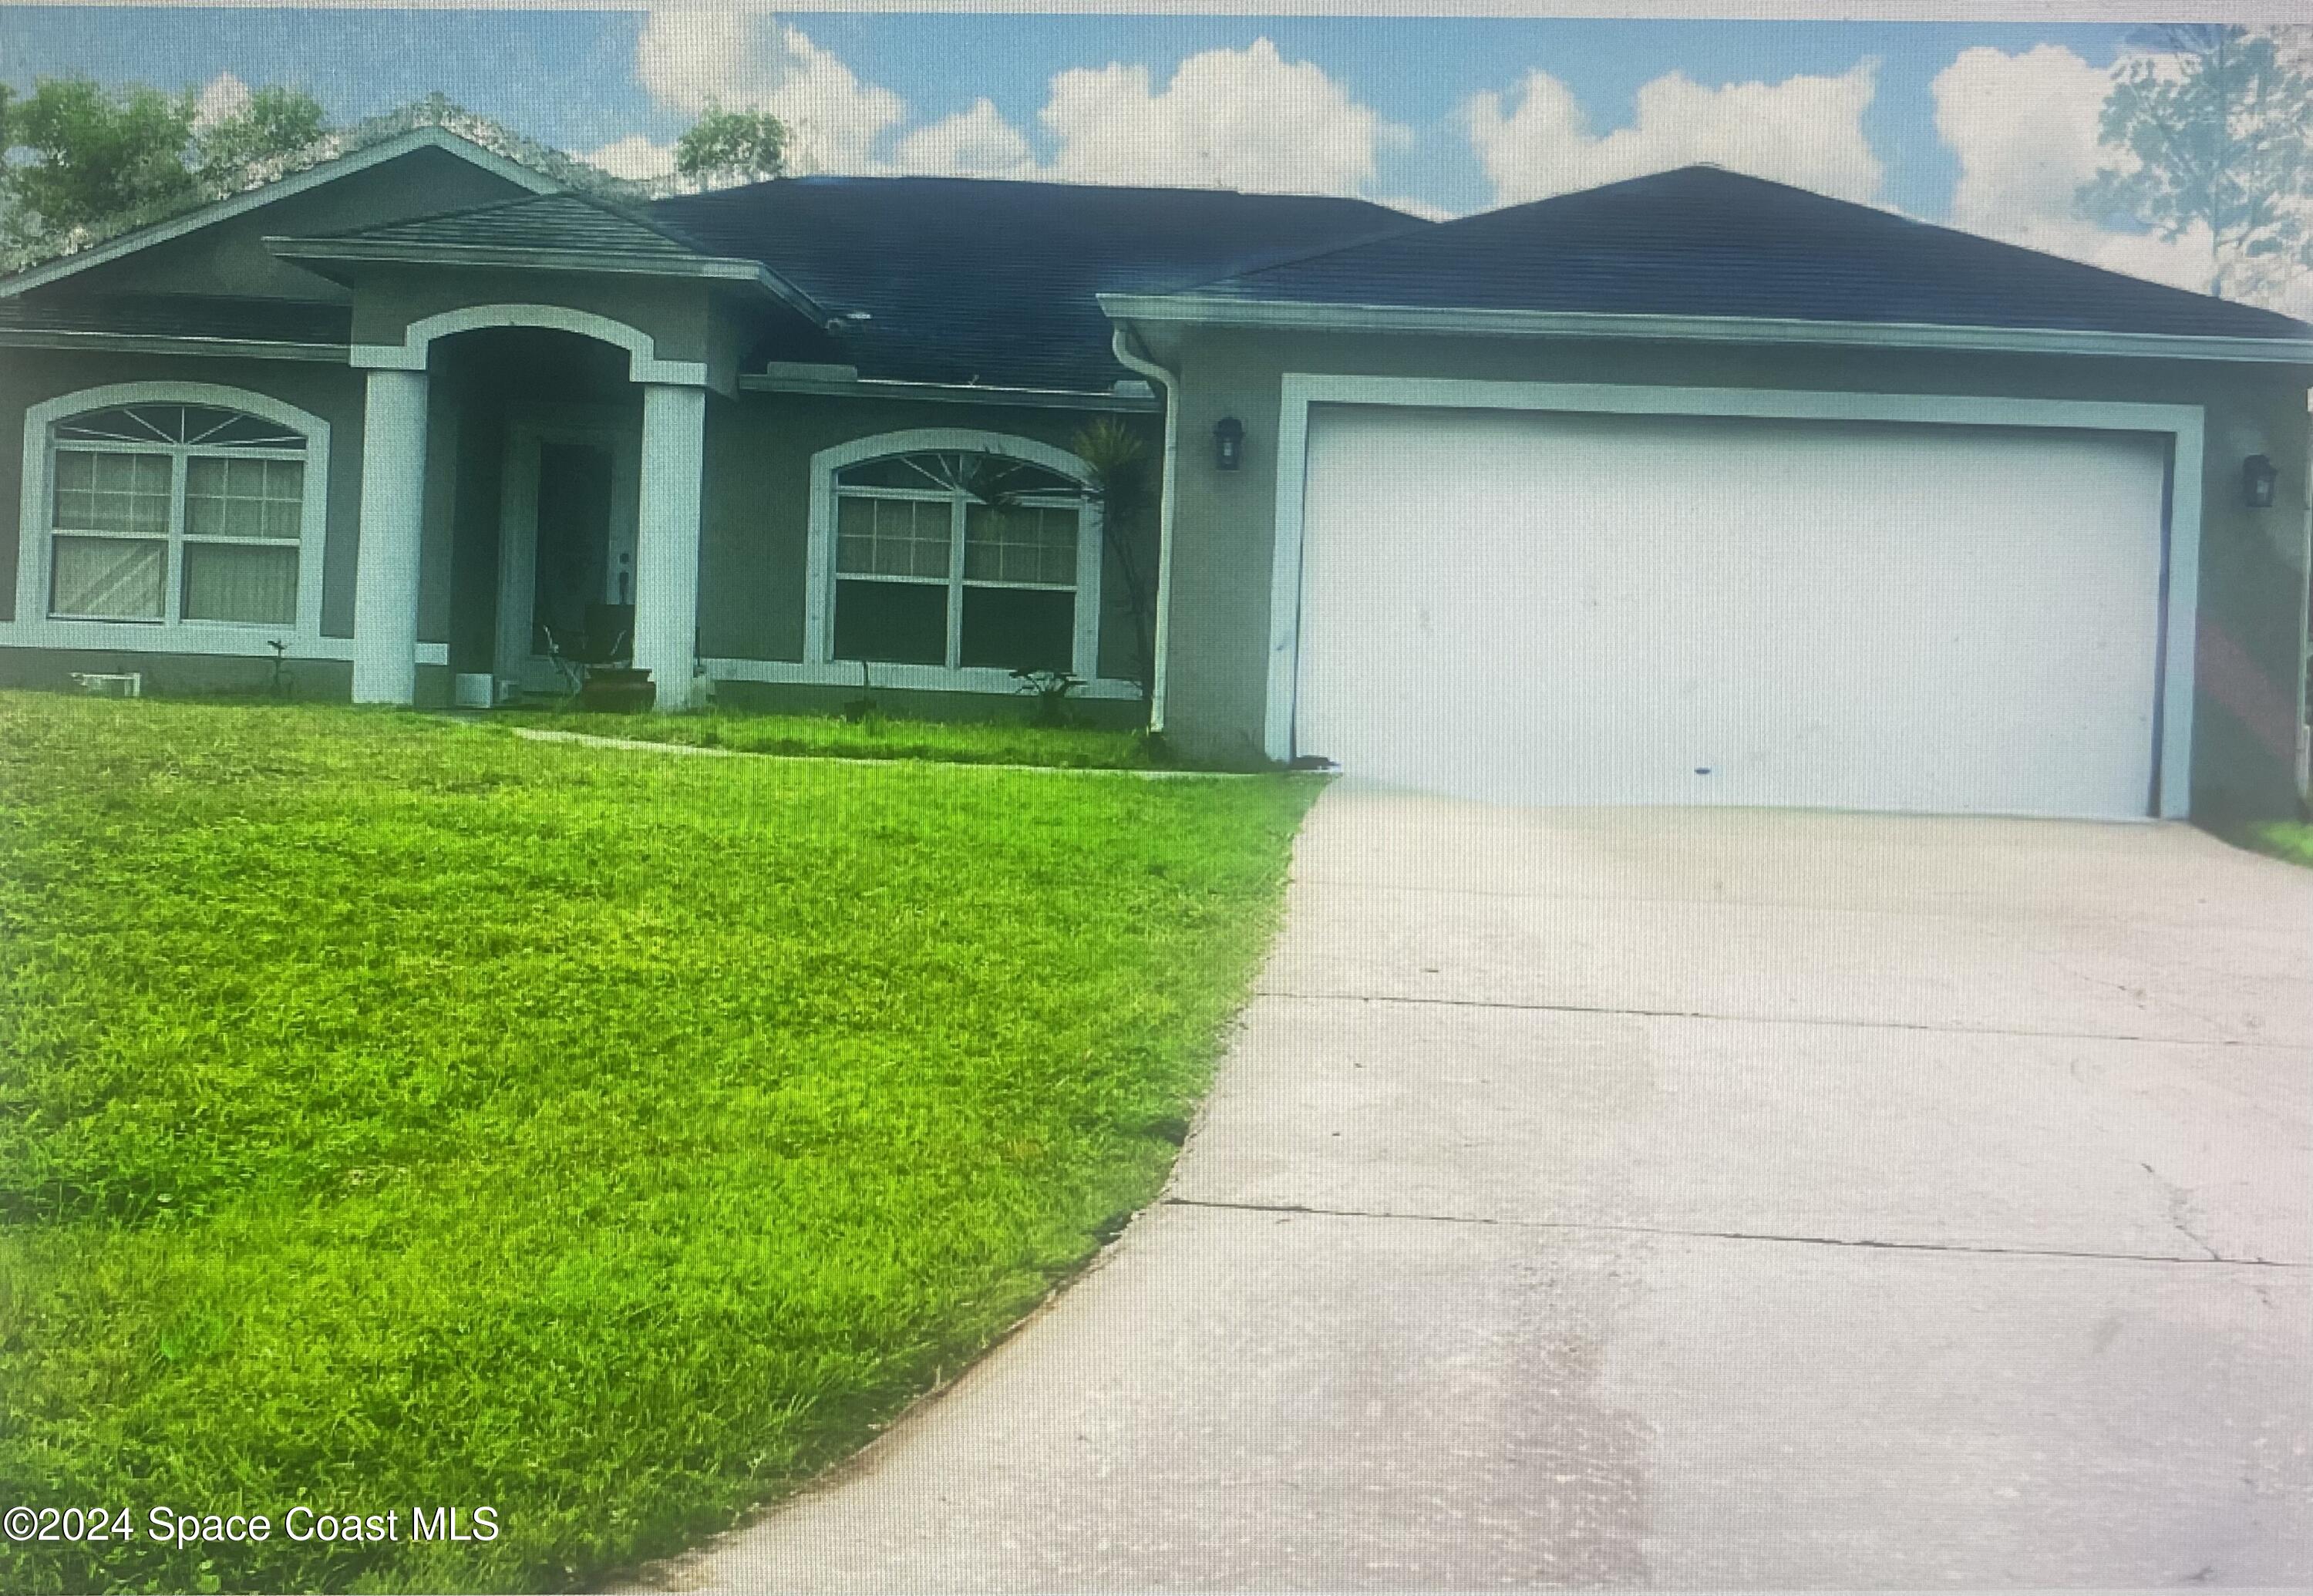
(566, 575)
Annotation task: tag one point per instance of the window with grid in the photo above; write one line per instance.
(956, 559)
(175, 512)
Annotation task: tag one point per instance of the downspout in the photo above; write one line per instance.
(1122, 343)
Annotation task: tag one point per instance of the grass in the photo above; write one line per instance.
(2292, 840)
(1010, 742)
(393, 1116)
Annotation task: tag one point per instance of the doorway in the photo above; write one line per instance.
(567, 548)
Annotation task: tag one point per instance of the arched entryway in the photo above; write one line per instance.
(667, 458)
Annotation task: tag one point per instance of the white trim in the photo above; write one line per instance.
(2184, 424)
(912, 678)
(192, 638)
(826, 382)
(313, 177)
(643, 364)
(1773, 330)
(33, 628)
(156, 343)
(819, 588)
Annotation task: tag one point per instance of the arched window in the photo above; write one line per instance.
(979, 556)
(165, 510)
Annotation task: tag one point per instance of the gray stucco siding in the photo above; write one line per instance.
(754, 556)
(677, 314)
(2253, 563)
(334, 393)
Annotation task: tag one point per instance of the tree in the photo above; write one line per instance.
(2210, 123)
(81, 157)
(732, 146)
(276, 123)
(1119, 461)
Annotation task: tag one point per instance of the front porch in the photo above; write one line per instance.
(564, 497)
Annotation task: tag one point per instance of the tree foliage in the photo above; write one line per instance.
(732, 146)
(1123, 483)
(2210, 125)
(80, 157)
(278, 123)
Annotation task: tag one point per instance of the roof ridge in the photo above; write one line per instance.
(832, 179)
(1415, 224)
(1879, 215)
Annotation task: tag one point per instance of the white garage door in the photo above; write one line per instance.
(1590, 609)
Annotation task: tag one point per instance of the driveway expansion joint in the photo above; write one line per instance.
(1314, 1211)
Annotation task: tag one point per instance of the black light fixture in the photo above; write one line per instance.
(2257, 477)
(1229, 443)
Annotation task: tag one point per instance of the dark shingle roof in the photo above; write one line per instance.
(971, 280)
(1702, 242)
(575, 222)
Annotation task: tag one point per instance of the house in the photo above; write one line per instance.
(1692, 489)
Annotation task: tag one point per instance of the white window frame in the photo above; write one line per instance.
(34, 626)
(819, 609)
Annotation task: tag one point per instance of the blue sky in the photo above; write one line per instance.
(570, 78)
(1986, 125)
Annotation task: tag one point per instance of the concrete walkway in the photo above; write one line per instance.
(1718, 1198)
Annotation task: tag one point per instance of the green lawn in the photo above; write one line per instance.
(1006, 742)
(2283, 839)
(392, 1116)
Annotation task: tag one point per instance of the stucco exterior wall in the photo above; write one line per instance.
(677, 313)
(755, 533)
(28, 377)
(2253, 563)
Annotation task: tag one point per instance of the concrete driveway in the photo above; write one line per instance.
(1680, 1198)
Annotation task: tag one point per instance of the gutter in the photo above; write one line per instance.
(1307, 316)
(1121, 342)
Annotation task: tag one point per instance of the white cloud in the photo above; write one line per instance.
(1234, 119)
(691, 56)
(1228, 118)
(634, 156)
(975, 143)
(1803, 130)
(1413, 205)
(222, 96)
(2024, 128)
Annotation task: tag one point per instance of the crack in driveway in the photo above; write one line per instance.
(2180, 1209)
(1544, 1224)
(1866, 1025)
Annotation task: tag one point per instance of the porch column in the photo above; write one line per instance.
(666, 540)
(393, 511)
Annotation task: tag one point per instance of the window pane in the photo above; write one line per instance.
(244, 498)
(235, 582)
(891, 537)
(901, 622)
(115, 579)
(112, 492)
(1018, 628)
(1021, 543)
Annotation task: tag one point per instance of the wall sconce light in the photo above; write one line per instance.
(2257, 475)
(1229, 443)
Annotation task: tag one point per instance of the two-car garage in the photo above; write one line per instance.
(1530, 603)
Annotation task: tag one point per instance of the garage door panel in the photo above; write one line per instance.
(1596, 609)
